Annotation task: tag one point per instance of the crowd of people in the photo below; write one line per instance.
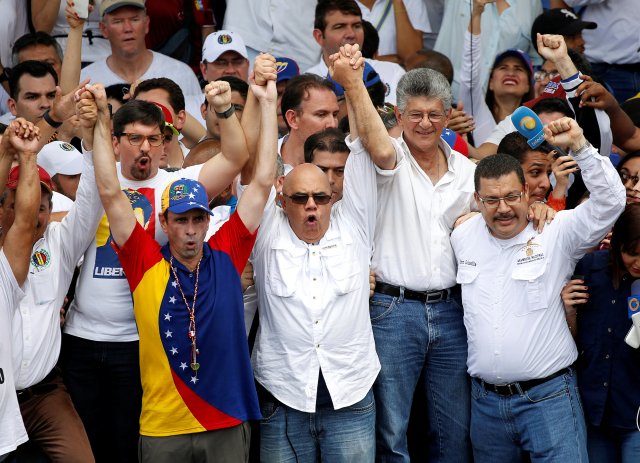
(319, 230)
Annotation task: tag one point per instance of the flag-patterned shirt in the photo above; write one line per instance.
(221, 393)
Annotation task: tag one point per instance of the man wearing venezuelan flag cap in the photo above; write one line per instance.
(198, 388)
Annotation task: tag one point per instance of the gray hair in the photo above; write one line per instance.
(423, 82)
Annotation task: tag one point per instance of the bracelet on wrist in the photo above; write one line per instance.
(227, 113)
(47, 118)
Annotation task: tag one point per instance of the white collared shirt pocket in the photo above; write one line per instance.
(342, 266)
(531, 275)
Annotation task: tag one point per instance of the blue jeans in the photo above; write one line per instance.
(545, 422)
(103, 379)
(613, 445)
(624, 83)
(346, 435)
(413, 338)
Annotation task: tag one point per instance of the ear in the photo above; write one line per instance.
(104, 30)
(476, 196)
(116, 145)
(318, 35)
(292, 118)
(203, 70)
(399, 116)
(181, 118)
(163, 222)
(12, 106)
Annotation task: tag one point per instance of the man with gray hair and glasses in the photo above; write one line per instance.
(416, 312)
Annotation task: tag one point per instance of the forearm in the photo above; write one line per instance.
(370, 127)
(408, 39)
(6, 159)
(250, 123)
(193, 131)
(625, 134)
(233, 143)
(565, 67)
(27, 194)
(104, 163)
(70, 73)
(44, 14)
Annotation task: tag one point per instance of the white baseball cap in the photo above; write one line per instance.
(59, 157)
(221, 41)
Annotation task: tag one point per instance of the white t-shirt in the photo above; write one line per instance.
(103, 309)
(416, 10)
(161, 66)
(389, 72)
(279, 27)
(12, 429)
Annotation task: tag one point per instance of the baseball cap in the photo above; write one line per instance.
(14, 175)
(59, 157)
(369, 76)
(183, 195)
(286, 69)
(553, 89)
(560, 21)
(220, 42)
(109, 6)
(516, 53)
(168, 119)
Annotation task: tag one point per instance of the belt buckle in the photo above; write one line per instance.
(434, 297)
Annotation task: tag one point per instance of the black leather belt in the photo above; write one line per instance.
(43, 387)
(512, 388)
(428, 297)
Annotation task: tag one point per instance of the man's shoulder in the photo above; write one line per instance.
(318, 69)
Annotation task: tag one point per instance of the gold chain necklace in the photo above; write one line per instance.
(192, 314)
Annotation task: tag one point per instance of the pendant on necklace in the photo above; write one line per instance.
(195, 366)
(192, 334)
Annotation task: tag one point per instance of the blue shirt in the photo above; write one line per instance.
(608, 368)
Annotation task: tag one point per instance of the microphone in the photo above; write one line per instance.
(529, 124)
(633, 309)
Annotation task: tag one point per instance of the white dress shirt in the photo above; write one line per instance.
(314, 299)
(12, 432)
(36, 327)
(516, 328)
(416, 217)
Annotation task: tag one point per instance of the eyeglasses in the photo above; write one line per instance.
(223, 63)
(625, 177)
(433, 116)
(302, 198)
(136, 139)
(509, 200)
(539, 76)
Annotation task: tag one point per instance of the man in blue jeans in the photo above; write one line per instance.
(525, 403)
(416, 315)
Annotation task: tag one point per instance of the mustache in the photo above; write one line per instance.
(506, 216)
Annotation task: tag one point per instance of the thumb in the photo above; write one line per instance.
(460, 106)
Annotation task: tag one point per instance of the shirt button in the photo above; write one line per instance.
(606, 356)
(317, 346)
(613, 301)
(609, 330)
(318, 321)
(313, 253)
(314, 279)
(606, 384)
(314, 297)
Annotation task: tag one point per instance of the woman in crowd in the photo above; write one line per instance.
(510, 81)
(608, 369)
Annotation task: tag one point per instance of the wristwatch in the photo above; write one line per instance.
(583, 148)
(226, 114)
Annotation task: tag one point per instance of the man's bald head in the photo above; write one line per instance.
(306, 201)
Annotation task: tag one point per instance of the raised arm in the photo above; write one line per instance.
(264, 70)
(122, 219)
(17, 245)
(254, 198)
(70, 73)
(345, 70)
(44, 14)
(219, 171)
(554, 49)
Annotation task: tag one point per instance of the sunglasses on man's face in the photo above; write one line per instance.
(303, 198)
